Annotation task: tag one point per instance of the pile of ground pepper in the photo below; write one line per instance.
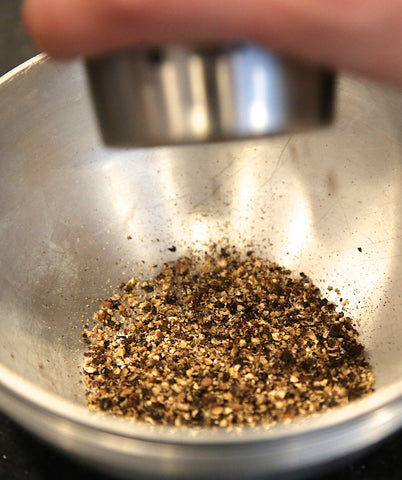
(221, 339)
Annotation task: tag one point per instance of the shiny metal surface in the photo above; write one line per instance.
(177, 94)
(308, 201)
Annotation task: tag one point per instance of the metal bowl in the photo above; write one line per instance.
(327, 203)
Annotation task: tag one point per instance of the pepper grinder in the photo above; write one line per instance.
(194, 94)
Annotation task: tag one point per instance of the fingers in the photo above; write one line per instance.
(90, 27)
(363, 36)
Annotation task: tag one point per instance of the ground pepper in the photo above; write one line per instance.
(221, 339)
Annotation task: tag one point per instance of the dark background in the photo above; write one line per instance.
(23, 457)
(15, 46)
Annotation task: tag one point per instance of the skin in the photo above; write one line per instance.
(362, 36)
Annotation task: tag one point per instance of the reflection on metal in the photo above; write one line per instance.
(199, 114)
(177, 95)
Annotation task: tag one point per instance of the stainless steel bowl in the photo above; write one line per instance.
(308, 201)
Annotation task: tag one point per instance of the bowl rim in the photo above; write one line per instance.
(23, 68)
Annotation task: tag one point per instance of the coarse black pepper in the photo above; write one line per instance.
(222, 340)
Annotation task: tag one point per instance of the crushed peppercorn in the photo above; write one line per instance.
(222, 340)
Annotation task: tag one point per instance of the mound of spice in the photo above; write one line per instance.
(222, 340)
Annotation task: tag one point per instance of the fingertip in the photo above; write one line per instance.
(31, 20)
(36, 19)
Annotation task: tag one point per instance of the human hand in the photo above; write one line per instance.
(363, 36)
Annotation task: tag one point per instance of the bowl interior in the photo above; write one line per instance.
(326, 203)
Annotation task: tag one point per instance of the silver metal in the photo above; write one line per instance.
(177, 94)
(307, 201)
